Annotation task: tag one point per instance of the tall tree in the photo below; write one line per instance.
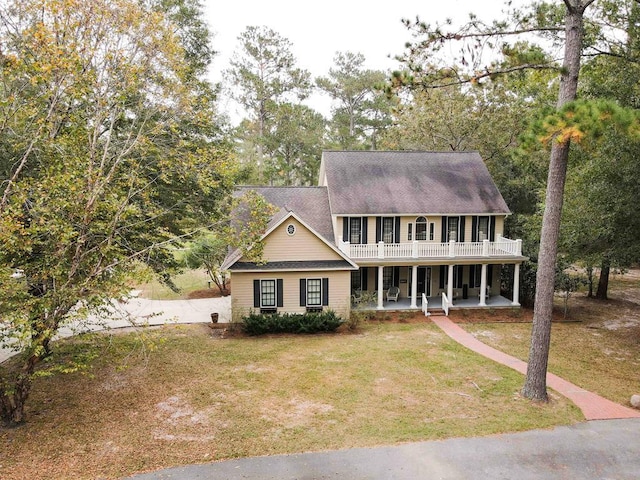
(361, 110)
(535, 386)
(293, 145)
(263, 74)
(562, 24)
(104, 128)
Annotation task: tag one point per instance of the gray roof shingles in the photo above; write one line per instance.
(409, 182)
(311, 204)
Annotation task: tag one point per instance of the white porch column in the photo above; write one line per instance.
(414, 286)
(516, 286)
(450, 285)
(380, 288)
(483, 285)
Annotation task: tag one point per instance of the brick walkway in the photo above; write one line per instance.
(593, 406)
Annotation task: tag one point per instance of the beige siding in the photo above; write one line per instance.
(303, 245)
(339, 290)
(499, 226)
(435, 219)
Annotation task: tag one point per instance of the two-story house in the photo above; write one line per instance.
(397, 228)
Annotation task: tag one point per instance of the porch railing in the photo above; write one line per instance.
(502, 247)
(425, 305)
(445, 304)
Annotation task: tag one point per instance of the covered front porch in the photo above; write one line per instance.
(445, 286)
(434, 303)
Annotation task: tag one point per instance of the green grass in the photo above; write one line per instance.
(188, 281)
(196, 397)
(596, 359)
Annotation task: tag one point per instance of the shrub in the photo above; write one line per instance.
(259, 324)
(357, 317)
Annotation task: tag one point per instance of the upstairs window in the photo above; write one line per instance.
(355, 230)
(388, 232)
(452, 228)
(421, 228)
(483, 228)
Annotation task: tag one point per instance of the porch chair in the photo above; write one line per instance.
(392, 294)
(356, 297)
(487, 294)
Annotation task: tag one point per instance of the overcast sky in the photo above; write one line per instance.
(318, 29)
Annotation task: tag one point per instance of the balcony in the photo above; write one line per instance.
(501, 248)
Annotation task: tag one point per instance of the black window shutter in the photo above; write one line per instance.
(256, 293)
(474, 229)
(492, 228)
(365, 278)
(378, 229)
(442, 274)
(460, 269)
(445, 228)
(376, 277)
(461, 236)
(396, 276)
(409, 228)
(364, 230)
(345, 229)
(280, 292)
(303, 292)
(325, 291)
(472, 276)
(489, 275)
(397, 230)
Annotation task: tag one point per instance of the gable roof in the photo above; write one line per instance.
(409, 182)
(310, 207)
(310, 204)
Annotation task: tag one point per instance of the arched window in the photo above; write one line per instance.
(421, 228)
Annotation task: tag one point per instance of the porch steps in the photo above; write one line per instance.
(436, 312)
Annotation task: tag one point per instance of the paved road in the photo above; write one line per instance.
(595, 450)
(141, 311)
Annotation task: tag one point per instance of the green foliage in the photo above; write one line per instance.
(567, 281)
(280, 134)
(361, 111)
(110, 155)
(209, 251)
(260, 324)
(293, 145)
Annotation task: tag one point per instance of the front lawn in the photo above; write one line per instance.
(596, 348)
(192, 397)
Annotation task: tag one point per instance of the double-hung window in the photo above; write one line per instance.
(314, 292)
(267, 294)
(388, 231)
(355, 230)
(483, 228)
(452, 228)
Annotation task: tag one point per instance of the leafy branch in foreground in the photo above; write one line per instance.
(110, 156)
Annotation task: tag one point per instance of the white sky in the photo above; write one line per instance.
(318, 29)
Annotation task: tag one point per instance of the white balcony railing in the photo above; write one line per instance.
(502, 247)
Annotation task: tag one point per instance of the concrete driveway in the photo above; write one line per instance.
(595, 450)
(142, 311)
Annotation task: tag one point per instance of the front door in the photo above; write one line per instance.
(424, 281)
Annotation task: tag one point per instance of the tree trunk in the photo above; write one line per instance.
(590, 281)
(13, 399)
(535, 386)
(603, 281)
